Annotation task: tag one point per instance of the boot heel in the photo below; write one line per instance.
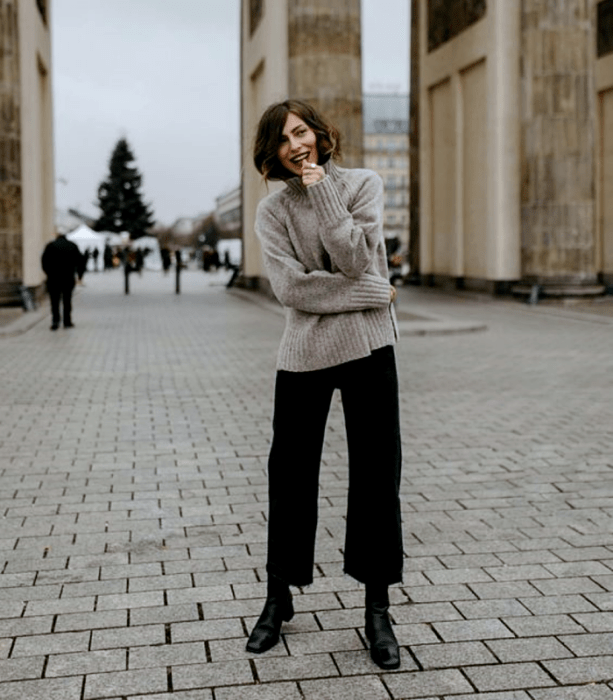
(289, 612)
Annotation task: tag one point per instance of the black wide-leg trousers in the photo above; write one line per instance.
(373, 540)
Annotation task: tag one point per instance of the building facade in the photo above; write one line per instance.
(309, 49)
(26, 145)
(386, 151)
(515, 144)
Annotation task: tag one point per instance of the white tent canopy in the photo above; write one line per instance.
(86, 239)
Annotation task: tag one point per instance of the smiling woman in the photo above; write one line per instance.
(324, 252)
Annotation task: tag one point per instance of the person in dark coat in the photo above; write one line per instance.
(61, 261)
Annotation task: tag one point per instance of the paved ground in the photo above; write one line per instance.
(133, 501)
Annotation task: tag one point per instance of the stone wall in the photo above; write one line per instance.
(10, 154)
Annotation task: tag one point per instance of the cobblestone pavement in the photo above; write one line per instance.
(133, 502)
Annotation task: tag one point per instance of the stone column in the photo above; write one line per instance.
(414, 145)
(558, 156)
(11, 248)
(325, 65)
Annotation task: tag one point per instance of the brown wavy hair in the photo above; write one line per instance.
(270, 131)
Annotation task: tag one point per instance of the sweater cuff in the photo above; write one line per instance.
(327, 201)
(373, 292)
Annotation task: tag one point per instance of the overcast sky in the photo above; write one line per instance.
(165, 75)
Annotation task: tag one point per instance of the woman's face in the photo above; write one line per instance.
(298, 143)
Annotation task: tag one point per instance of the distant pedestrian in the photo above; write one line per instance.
(324, 253)
(95, 255)
(108, 257)
(166, 259)
(61, 262)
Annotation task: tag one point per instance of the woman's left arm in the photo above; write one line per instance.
(350, 235)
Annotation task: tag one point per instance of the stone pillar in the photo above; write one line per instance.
(558, 154)
(414, 145)
(11, 248)
(325, 65)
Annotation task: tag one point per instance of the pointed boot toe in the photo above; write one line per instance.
(267, 629)
(384, 649)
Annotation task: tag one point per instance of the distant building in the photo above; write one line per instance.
(228, 214)
(26, 145)
(386, 151)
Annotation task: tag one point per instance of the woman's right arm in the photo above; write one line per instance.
(319, 291)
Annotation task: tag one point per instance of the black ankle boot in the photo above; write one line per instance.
(383, 644)
(278, 607)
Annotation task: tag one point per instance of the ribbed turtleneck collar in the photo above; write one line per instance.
(295, 185)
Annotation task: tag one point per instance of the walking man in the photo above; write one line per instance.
(61, 261)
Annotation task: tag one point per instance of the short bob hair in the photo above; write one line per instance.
(270, 130)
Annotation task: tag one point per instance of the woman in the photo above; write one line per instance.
(325, 257)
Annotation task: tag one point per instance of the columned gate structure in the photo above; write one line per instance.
(515, 144)
(26, 145)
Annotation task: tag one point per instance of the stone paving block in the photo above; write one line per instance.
(467, 630)
(22, 627)
(508, 589)
(415, 634)
(551, 605)
(122, 683)
(342, 619)
(363, 688)
(509, 676)
(492, 608)
(529, 649)
(51, 643)
(264, 691)
(424, 612)
(444, 592)
(543, 625)
(167, 655)
(46, 689)
(203, 594)
(235, 648)
(589, 644)
(457, 654)
(318, 642)
(207, 630)
(582, 692)
(566, 586)
(130, 600)
(358, 662)
(212, 675)
(427, 683)
(91, 621)
(128, 637)
(78, 664)
(584, 670)
(21, 669)
(595, 622)
(165, 614)
(511, 695)
(290, 668)
(202, 694)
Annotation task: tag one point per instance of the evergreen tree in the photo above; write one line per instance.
(119, 196)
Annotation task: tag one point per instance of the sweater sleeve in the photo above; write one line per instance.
(318, 291)
(350, 235)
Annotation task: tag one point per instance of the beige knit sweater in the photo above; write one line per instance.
(324, 253)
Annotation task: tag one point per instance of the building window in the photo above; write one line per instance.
(256, 10)
(604, 28)
(448, 18)
(42, 8)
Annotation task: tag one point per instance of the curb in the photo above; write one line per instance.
(424, 323)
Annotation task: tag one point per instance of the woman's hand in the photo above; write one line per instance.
(312, 173)
(393, 294)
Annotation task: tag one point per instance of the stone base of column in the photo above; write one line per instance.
(562, 288)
